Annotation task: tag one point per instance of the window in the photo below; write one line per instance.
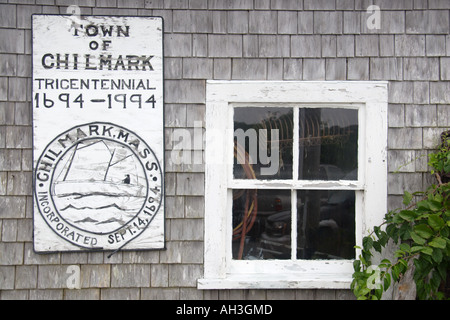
(295, 177)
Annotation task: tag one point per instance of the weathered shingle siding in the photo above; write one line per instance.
(229, 40)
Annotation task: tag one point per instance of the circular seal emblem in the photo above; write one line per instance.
(98, 185)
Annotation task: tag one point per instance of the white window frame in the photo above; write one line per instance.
(220, 270)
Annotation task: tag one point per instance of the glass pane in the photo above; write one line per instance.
(265, 232)
(325, 224)
(263, 143)
(328, 144)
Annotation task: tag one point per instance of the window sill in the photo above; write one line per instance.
(276, 281)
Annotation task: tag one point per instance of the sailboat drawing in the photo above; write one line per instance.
(99, 185)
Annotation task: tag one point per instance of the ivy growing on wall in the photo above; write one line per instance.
(421, 233)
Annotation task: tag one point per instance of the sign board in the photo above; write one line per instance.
(98, 133)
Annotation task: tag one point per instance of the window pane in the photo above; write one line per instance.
(328, 144)
(265, 233)
(325, 224)
(263, 143)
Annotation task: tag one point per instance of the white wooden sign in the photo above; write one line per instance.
(98, 133)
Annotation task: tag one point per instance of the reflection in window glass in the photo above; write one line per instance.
(261, 224)
(328, 144)
(325, 224)
(263, 143)
(328, 150)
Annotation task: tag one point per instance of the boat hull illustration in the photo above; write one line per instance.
(83, 189)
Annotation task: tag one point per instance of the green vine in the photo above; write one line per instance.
(421, 234)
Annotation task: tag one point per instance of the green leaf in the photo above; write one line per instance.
(427, 250)
(397, 219)
(405, 247)
(377, 246)
(438, 198)
(377, 231)
(444, 232)
(416, 249)
(417, 239)
(357, 265)
(422, 216)
(392, 232)
(437, 255)
(378, 294)
(404, 231)
(442, 269)
(438, 243)
(399, 253)
(423, 205)
(367, 243)
(407, 197)
(408, 215)
(403, 262)
(395, 272)
(387, 281)
(434, 205)
(363, 292)
(385, 263)
(383, 238)
(423, 230)
(436, 222)
(363, 261)
(435, 280)
(427, 258)
(447, 168)
(419, 266)
(366, 258)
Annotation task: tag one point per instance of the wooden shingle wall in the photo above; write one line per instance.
(221, 40)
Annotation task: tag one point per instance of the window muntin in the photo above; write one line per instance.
(323, 226)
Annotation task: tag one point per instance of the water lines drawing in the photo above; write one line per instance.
(99, 185)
